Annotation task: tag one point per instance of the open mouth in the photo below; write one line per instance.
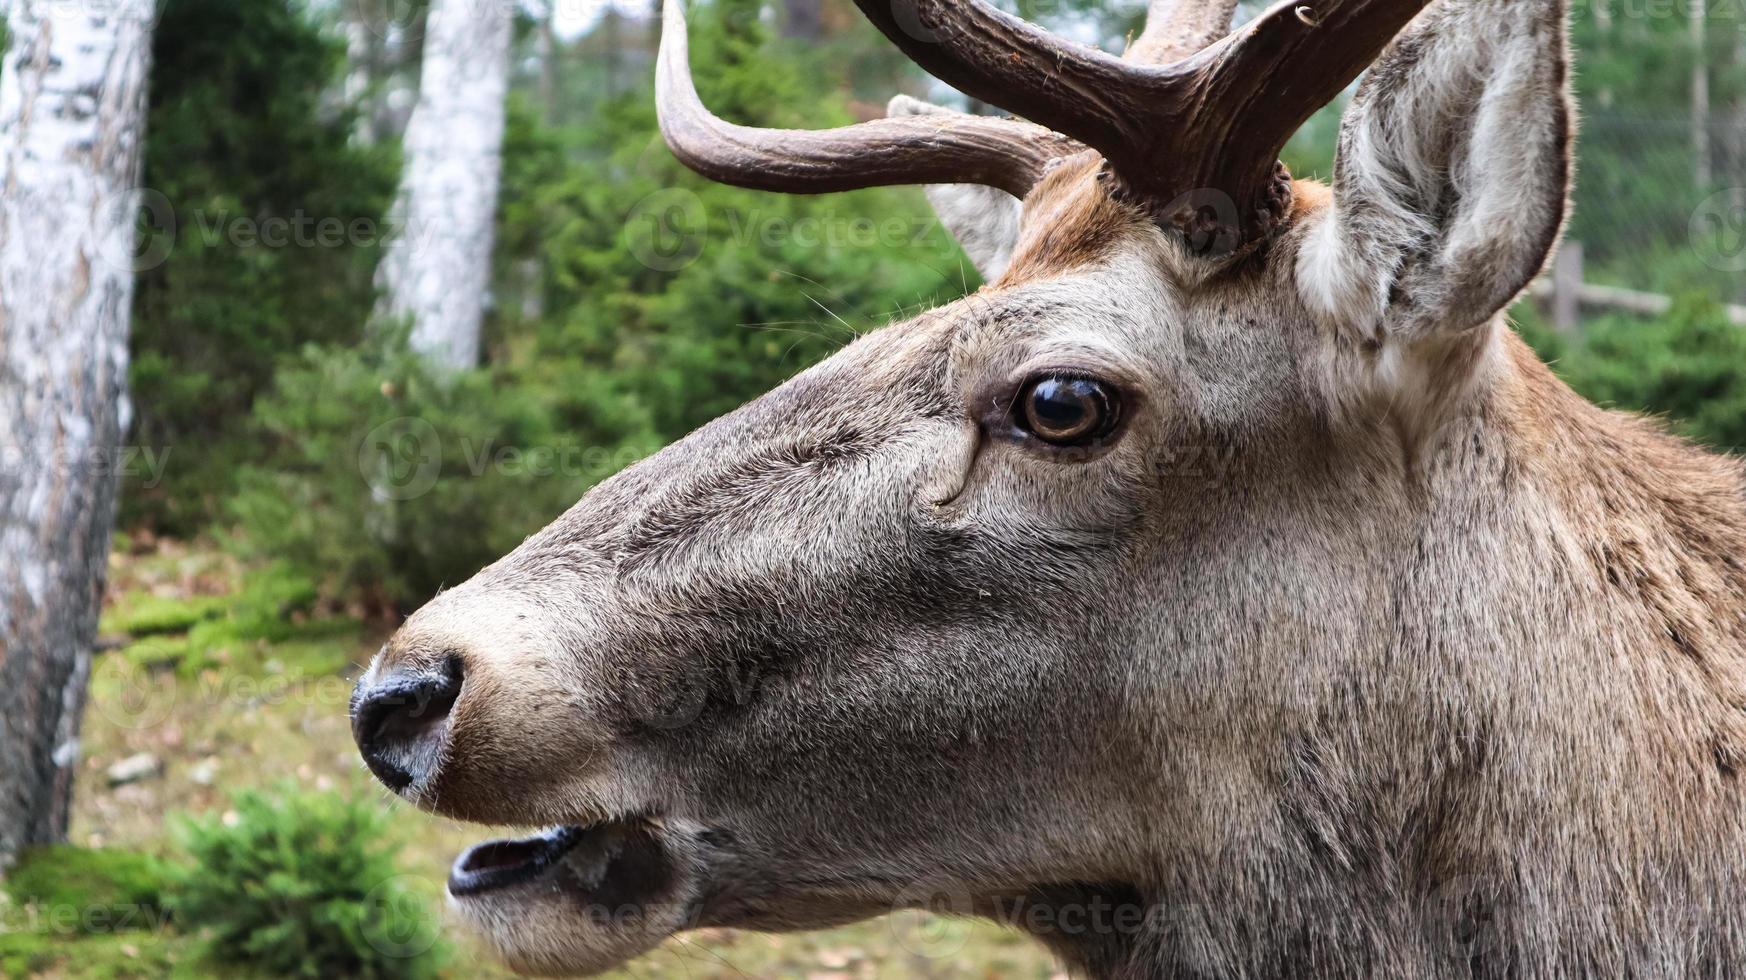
(506, 863)
(616, 860)
(582, 899)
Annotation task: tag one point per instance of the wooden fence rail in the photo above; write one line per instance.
(1566, 293)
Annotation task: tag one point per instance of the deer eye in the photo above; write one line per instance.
(1068, 411)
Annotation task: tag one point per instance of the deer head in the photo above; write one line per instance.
(1058, 596)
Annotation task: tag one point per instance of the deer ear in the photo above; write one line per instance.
(985, 220)
(1452, 177)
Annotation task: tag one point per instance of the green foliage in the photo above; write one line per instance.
(388, 482)
(89, 890)
(1690, 366)
(263, 239)
(305, 885)
(688, 298)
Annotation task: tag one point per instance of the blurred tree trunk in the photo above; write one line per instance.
(548, 55)
(611, 30)
(803, 20)
(72, 116)
(360, 82)
(437, 269)
(1702, 173)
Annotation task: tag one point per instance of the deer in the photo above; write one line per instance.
(1223, 589)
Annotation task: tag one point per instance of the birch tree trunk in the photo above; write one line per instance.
(437, 269)
(72, 115)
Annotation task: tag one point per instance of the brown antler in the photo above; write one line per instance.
(1176, 29)
(1238, 102)
(952, 148)
(1195, 141)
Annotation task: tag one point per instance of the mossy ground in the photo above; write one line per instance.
(234, 679)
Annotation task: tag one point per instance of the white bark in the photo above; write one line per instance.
(72, 115)
(437, 270)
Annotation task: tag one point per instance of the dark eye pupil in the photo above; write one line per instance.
(1066, 409)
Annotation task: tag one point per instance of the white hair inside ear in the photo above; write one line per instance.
(984, 220)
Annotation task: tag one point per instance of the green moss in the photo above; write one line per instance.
(300, 659)
(259, 645)
(150, 615)
(155, 654)
(238, 633)
(87, 890)
(109, 956)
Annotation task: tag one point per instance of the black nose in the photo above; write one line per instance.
(401, 719)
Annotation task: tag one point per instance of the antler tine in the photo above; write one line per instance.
(1176, 29)
(1000, 59)
(932, 149)
(1239, 101)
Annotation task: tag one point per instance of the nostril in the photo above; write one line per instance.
(400, 722)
